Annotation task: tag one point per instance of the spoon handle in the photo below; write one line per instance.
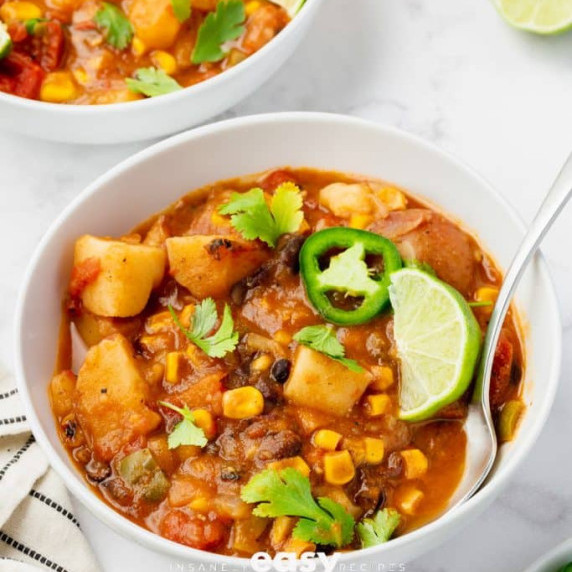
(554, 202)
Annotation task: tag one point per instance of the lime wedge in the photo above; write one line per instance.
(438, 342)
(539, 16)
(291, 6)
(5, 41)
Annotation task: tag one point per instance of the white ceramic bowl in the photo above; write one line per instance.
(157, 116)
(554, 560)
(152, 179)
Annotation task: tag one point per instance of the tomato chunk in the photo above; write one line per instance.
(192, 531)
(502, 367)
(20, 75)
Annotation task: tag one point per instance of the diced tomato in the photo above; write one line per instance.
(51, 46)
(192, 531)
(83, 275)
(502, 366)
(17, 31)
(277, 178)
(20, 75)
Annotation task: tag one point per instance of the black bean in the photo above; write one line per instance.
(229, 474)
(281, 370)
(69, 429)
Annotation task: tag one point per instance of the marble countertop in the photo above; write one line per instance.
(452, 72)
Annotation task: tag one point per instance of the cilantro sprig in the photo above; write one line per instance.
(251, 216)
(223, 25)
(118, 29)
(152, 82)
(181, 9)
(185, 432)
(224, 340)
(377, 530)
(323, 339)
(288, 493)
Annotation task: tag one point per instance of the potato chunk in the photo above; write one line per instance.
(210, 265)
(154, 22)
(322, 383)
(128, 274)
(344, 199)
(111, 397)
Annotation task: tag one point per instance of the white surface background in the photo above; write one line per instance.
(451, 71)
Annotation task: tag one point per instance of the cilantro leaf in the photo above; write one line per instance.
(182, 9)
(288, 493)
(253, 219)
(152, 82)
(224, 340)
(185, 432)
(119, 31)
(217, 28)
(377, 530)
(323, 339)
(348, 272)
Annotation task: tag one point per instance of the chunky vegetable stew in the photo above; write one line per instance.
(98, 52)
(243, 389)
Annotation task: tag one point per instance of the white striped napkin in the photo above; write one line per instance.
(37, 527)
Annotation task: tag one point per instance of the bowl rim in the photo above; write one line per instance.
(77, 110)
(130, 530)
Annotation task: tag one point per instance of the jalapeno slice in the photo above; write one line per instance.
(348, 272)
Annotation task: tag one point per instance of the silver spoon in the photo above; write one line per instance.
(482, 445)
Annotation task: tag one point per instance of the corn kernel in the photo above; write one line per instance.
(416, 463)
(360, 220)
(291, 463)
(338, 468)
(261, 363)
(298, 547)
(172, 367)
(487, 294)
(186, 315)
(11, 11)
(165, 61)
(282, 337)
(281, 528)
(251, 7)
(392, 198)
(205, 421)
(326, 439)
(242, 403)
(138, 47)
(409, 499)
(80, 76)
(378, 404)
(58, 87)
(200, 504)
(374, 450)
(235, 57)
(382, 378)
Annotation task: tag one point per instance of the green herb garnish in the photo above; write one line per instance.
(224, 340)
(182, 9)
(482, 304)
(288, 493)
(32, 24)
(152, 82)
(218, 27)
(377, 530)
(323, 339)
(119, 31)
(185, 432)
(253, 219)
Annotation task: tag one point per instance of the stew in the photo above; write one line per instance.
(219, 403)
(99, 52)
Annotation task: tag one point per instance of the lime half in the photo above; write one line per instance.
(438, 342)
(291, 6)
(539, 16)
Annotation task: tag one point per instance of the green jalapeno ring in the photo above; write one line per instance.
(375, 300)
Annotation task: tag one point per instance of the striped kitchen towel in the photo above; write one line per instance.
(37, 527)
